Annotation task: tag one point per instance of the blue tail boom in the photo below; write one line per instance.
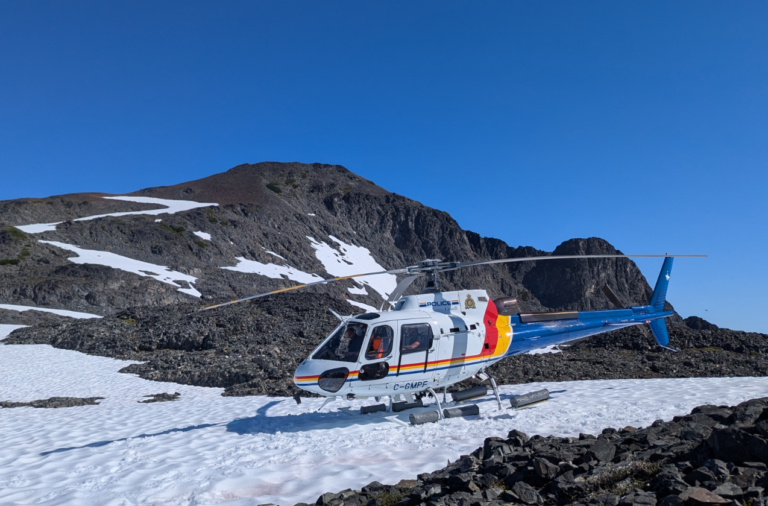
(551, 329)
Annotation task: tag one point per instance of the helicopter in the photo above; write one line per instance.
(417, 344)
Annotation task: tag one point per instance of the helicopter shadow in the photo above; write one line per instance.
(105, 442)
(261, 423)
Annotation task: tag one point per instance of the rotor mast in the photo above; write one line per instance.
(430, 267)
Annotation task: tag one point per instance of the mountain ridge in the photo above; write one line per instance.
(272, 209)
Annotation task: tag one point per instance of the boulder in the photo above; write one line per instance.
(526, 493)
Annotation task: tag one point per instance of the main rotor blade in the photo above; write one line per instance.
(458, 265)
(612, 297)
(323, 282)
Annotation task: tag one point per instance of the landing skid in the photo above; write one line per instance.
(483, 375)
(444, 409)
(327, 401)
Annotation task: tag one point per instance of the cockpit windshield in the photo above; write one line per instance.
(344, 345)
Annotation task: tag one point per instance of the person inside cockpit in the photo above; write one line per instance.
(355, 340)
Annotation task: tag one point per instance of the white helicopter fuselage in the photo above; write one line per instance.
(427, 341)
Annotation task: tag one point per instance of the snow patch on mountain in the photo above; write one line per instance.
(60, 312)
(203, 235)
(547, 349)
(158, 272)
(273, 271)
(274, 254)
(350, 259)
(366, 307)
(172, 207)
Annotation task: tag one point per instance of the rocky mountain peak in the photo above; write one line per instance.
(578, 284)
(266, 226)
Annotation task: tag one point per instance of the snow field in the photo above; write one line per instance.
(209, 449)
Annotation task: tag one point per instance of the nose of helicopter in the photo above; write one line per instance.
(306, 377)
(322, 377)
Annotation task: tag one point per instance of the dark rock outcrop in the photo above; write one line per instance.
(250, 349)
(631, 353)
(164, 397)
(253, 349)
(54, 402)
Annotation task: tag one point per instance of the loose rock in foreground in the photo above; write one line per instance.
(716, 455)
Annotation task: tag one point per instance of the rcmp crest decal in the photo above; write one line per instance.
(469, 303)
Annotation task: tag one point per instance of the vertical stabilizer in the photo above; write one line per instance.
(659, 327)
(660, 291)
(659, 330)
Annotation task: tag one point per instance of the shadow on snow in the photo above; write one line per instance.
(261, 423)
(141, 436)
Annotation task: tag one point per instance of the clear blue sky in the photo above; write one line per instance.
(645, 123)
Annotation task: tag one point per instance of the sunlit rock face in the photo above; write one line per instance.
(261, 227)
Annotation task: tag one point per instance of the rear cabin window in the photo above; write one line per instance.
(415, 337)
(380, 344)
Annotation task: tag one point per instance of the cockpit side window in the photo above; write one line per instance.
(380, 344)
(344, 345)
(416, 337)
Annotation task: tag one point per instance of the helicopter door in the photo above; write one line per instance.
(454, 349)
(376, 362)
(417, 351)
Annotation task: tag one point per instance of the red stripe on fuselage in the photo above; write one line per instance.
(491, 332)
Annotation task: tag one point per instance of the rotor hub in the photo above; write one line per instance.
(429, 264)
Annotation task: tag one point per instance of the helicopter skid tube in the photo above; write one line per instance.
(460, 411)
(529, 398)
(471, 393)
(422, 418)
(364, 410)
(402, 406)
